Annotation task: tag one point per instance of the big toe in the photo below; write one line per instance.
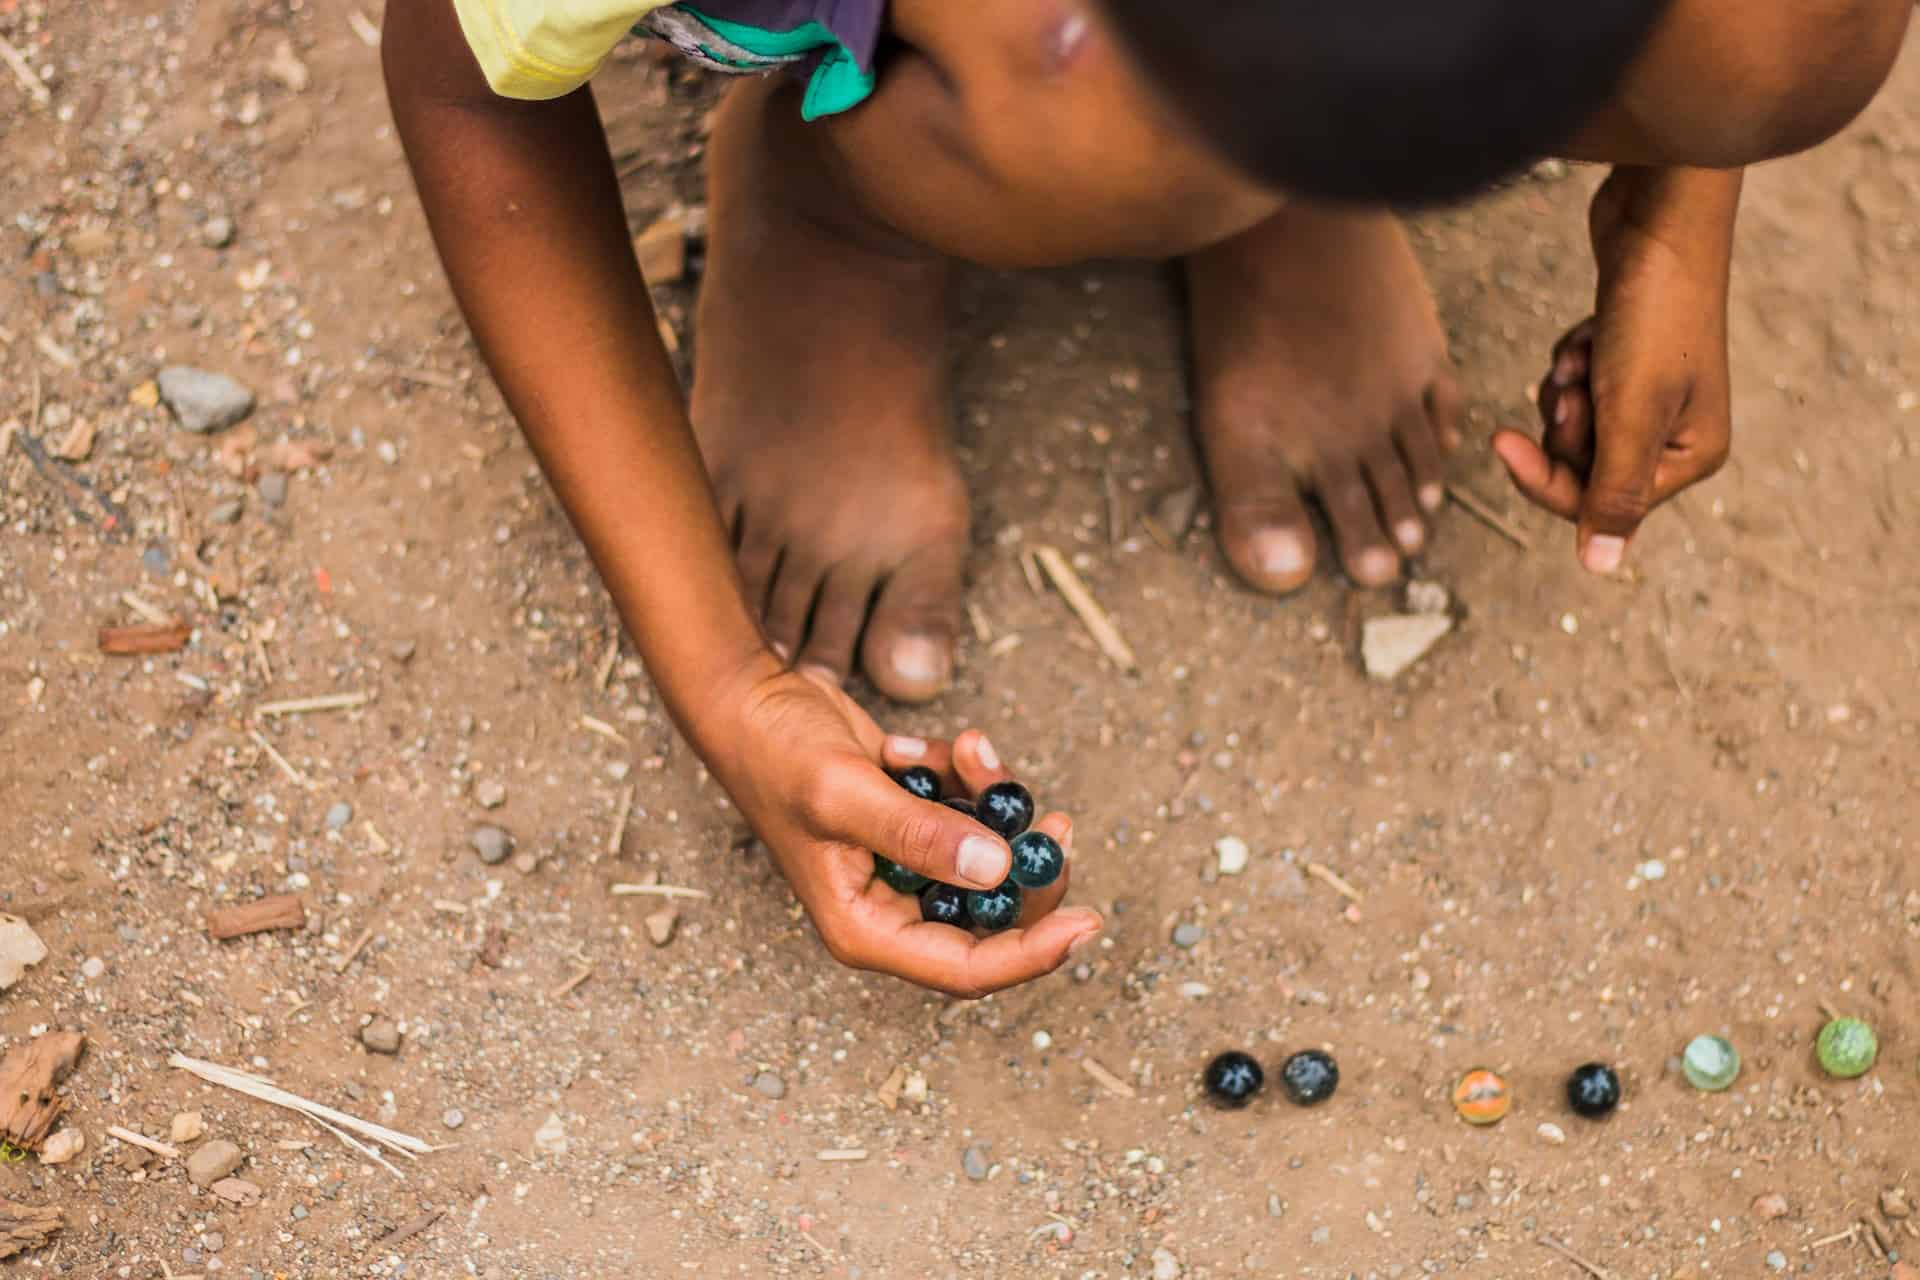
(1269, 540)
(908, 650)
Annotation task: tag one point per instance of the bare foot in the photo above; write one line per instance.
(1320, 367)
(820, 403)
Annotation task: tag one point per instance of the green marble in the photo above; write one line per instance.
(1711, 1064)
(1846, 1048)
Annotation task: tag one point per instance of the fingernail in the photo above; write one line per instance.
(906, 748)
(1604, 553)
(1563, 411)
(1431, 496)
(1563, 369)
(983, 860)
(1081, 943)
(988, 756)
(1066, 840)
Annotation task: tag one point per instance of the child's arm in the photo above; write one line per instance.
(526, 210)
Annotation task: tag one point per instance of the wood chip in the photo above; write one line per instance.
(145, 638)
(280, 911)
(1112, 1083)
(841, 1154)
(1479, 509)
(617, 836)
(1081, 601)
(25, 1226)
(323, 702)
(352, 953)
(888, 1094)
(1331, 877)
(29, 1107)
(145, 1143)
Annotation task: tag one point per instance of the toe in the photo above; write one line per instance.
(1268, 537)
(837, 619)
(1365, 550)
(759, 558)
(790, 601)
(1447, 409)
(908, 650)
(1417, 436)
(1393, 496)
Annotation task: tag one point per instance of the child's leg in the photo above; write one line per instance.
(1319, 364)
(820, 403)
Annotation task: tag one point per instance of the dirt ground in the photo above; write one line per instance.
(1744, 709)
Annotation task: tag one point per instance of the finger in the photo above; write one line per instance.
(1572, 355)
(1570, 437)
(1548, 484)
(903, 751)
(861, 806)
(1037, 903)
(1619, 490)
(977, 762)
(888, 936)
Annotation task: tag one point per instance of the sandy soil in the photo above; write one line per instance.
(1742, 709)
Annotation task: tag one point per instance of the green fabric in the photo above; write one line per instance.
(837, 84)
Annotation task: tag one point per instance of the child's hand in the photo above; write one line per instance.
(1636, 404)
(806, 772)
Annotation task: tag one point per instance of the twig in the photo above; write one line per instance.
(656, 891)
(604, 672)
(1331, 877)
(601, 727)
(1106, 1079)
(572, 984)
(294, 776)
(1832, 1013)
(1849, 1235)
(1478, 508)
(1081, 601)
(848, 1153)
(431, 1216)
(428, 378)
(1031, 572)
(145, 1143)
(1593, 1269)
(323, 702)
(369, 36)
(619, 833)
(151, 612)
(23, 72)
(982, 627)
(353, 952)
(1116, 521)
(66, 480)
(255, 1087)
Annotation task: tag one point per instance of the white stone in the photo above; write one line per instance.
(1552, 1134)
(1232, 853)
(550, 1139)
(20, 949)
(187, 1127)
(1391, 644)
(63, 1146)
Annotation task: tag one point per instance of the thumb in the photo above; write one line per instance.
(873, 811)
(1629, 441)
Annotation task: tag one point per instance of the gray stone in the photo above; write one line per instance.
(490, 794)
(227, 512)
(212, 1162)
(382, 1035)
(770, 1085)
(154, 560)
(299, 1213)
(1776, 1260)
(974, 1162)
(453, 1117)
(213, 1242)
(217, 232)
(1187, 935)
(191, 1256)
(339, 814)
(273, 488)
(492, 844)
(203, 401)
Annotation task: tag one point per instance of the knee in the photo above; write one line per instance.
(1817, 89)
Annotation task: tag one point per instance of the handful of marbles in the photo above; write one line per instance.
(1007, 809)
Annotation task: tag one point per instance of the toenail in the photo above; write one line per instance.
(1279, 553)
(1604, 553)
(1377, 564)
(1431, 496)
(820, 672)
(906, 748)
(988, 756)
(1410, 533)
(921, 659)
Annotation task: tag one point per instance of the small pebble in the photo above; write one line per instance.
(1552, 1134)
(339, 814)
(1187, 936)
(227, 512)
(660, 927)
(187, 1127)
(770, 1085)
(1042, 1041)
(299, 1213)
(213, 1162)
(203, 401)
(1652, 869)
(191, 1256)
(550, 1139)
(1893, 1203)
(1770, 1208)
(92, 967)
(273, 488)
(236, 1191)
(1232, 853)
(402, 651)
(154, 560)
(974, 1162)
(382, 1035)
(213, 1242)
(490, 794)
(452, 1118)
(1776, 1260)
(217, 232)
(63, 1146)
(492, 844)
(1165, 1265)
